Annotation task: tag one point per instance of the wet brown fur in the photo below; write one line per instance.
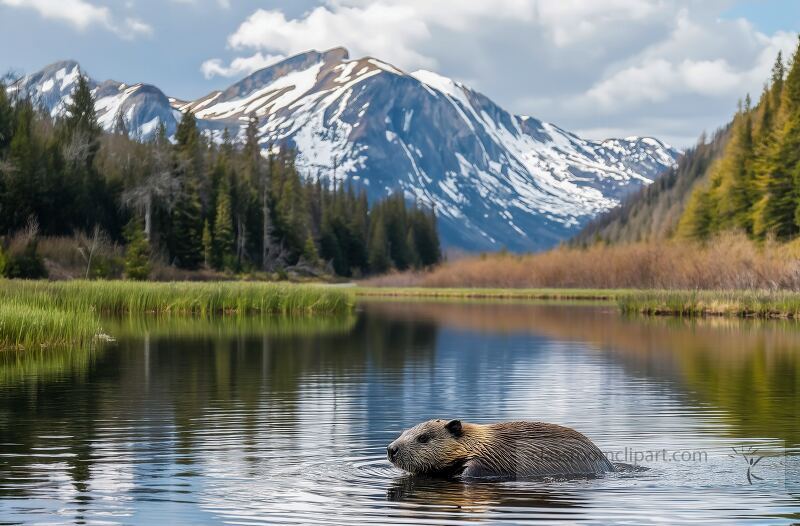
(508, 450)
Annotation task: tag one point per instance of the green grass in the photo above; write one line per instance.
(123, 297)
(481, 293)
(25, 326)
(41, 313)
(739, 303)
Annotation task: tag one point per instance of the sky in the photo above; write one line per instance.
(601, 68)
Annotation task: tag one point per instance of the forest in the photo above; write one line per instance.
(754, 185)
(68, 189)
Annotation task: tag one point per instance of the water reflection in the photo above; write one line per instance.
(749, 368)
(266, 421)
(477, 497)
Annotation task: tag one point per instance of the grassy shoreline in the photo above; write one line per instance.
(36, 314)
(490, 293)
(42, 313)
(698, 303)
(685, 303)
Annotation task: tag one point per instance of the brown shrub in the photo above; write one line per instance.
(730, 261)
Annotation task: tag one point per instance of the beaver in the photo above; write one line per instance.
(507, 450)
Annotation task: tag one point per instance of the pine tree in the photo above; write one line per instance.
(741, 191)
(187, 245)
(223, 231)
(413, 255)
(292, 211)
(310, 253)
(187, 137)
(22, 182)
(6, 118)
(80, 116)
(378, 246)
(426, 237)
(781, 209)
(120, 125)
(697, 220)
(778, 74)
(137, 252)
(208, 244)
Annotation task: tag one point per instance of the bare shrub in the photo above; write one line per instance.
(730, 261)
(82, 255)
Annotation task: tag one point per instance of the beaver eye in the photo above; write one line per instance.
(423, 439)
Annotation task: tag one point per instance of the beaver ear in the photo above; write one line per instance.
(454, 426)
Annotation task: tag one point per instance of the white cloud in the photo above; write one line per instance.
(238, 66)
(224, 4)
(82, 14)
(629, 65)
(378, 29)
(720, 59)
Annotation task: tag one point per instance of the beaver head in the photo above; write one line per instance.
(434, 447)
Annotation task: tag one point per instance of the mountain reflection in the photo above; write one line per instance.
(268, 417)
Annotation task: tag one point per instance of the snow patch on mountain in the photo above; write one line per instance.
(496, 179)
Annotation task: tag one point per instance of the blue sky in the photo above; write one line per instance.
(767, 15)
(667, 68)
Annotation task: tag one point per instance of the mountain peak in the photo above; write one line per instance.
(495, 178)
(436, 81)
(68, 64)
(337, 54)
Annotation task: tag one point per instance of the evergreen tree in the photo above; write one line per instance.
(411, 244)
(741, 191)
(187, 136)
(426, 237)
(80, 117)
(378, 246)
(187, 245)
(698, 218)
(778, 74)
(310, 253)
(223, 231)
(780, 210)
(208, 244)
(292, 211)
(6, 119)
(137, 252)
(120, 126)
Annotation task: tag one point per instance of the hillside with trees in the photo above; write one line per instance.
(653, 212)
(745, 179)
(67, 188)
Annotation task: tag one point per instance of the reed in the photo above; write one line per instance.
(125, 297)
(691, 303)
(25, 326)
(40, 313)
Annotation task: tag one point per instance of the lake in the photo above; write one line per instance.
(264, 421)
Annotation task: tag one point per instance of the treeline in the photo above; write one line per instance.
(754, 186)
(654, 211)
(189, 202)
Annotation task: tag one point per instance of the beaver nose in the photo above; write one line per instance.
(391, 451)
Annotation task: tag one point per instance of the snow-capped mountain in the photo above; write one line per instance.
(496, 179)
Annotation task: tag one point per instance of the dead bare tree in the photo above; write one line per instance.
(161, 185)
(88, 246)
(78, 148)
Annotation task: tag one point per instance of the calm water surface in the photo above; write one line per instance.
(265, 422)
